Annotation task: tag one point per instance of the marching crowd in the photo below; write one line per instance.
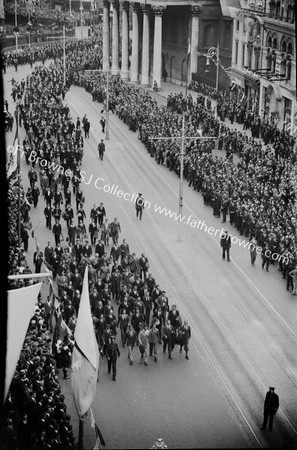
(124, 296)
(125, 299)
(257, 193)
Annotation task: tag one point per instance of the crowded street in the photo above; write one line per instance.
(242, 318)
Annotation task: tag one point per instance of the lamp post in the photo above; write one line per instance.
(16, 24)
(107, 72)
(214, 52)
(64, 54)
(183, 138)
(81, 19)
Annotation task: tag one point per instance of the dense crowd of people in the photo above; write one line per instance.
(125, 299)
(126, 302)
(257, 193)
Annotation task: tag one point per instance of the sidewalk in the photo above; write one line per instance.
(171, 88)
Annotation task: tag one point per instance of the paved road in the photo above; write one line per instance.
(243, 320)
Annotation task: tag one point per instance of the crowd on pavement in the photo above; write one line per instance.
(257, 193)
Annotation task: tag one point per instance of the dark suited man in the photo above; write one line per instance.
(112, 353)
(271, 406)
(71, 233)
(226, 244)
(139, 206)
(101, 213)
(38, 260)
(99, 248)
(78, 251)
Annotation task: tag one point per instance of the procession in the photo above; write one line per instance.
(103, 172)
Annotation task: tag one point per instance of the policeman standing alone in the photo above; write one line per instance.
(271, 406)
(226, 244)
(139, 206)
(112, 352)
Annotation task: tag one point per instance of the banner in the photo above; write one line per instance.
(20, 310)
(85, 355)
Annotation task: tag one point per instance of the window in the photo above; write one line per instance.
(209, 36)
(284, 47)
(274, 43)
(237, 25)
(269, 59)
(227, 36)
(236, 52)
(290, 49)
(269, 42)
(243, 54)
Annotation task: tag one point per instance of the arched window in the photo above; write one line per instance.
(274, 43)
(209, 36)
(284, 47)
(269, 42)
(290, 49)
(269, 59)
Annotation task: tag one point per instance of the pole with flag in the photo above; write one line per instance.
(85, 359)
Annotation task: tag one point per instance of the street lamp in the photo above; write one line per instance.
(16, 30)
(182, 138)
(81, 19)
(214, 52)
(64, 54)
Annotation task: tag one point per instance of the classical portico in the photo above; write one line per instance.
(137, 54)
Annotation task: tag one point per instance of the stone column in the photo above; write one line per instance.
(135, 44)
(246, 55)
(157, 63)
(239, 60)
(125, 41)
(261, 100)
(145, 65)
(106, 6)
(193, 63)
(115, 37)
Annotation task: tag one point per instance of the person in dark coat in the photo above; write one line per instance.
(66, 351)
(226, 244)
(112, 353)
(168, 335)
(38, 260)
(184, 335)
(57, 231)
(271, 406)
(139, 206)
(35, 195)
(101, 149)
(48, 217)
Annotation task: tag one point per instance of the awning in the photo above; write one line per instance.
(230, 7)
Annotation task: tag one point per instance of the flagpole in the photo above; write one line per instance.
(19, 176)
(23, 276)
(81, 434)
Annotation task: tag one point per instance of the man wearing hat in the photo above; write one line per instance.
(139, 205)
(271, 405)
(112, 353)
(101, 149)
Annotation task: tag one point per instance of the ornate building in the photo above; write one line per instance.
(165, 38)
(264, 59)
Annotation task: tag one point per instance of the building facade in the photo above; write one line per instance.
(148, 41)
(264, 59)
